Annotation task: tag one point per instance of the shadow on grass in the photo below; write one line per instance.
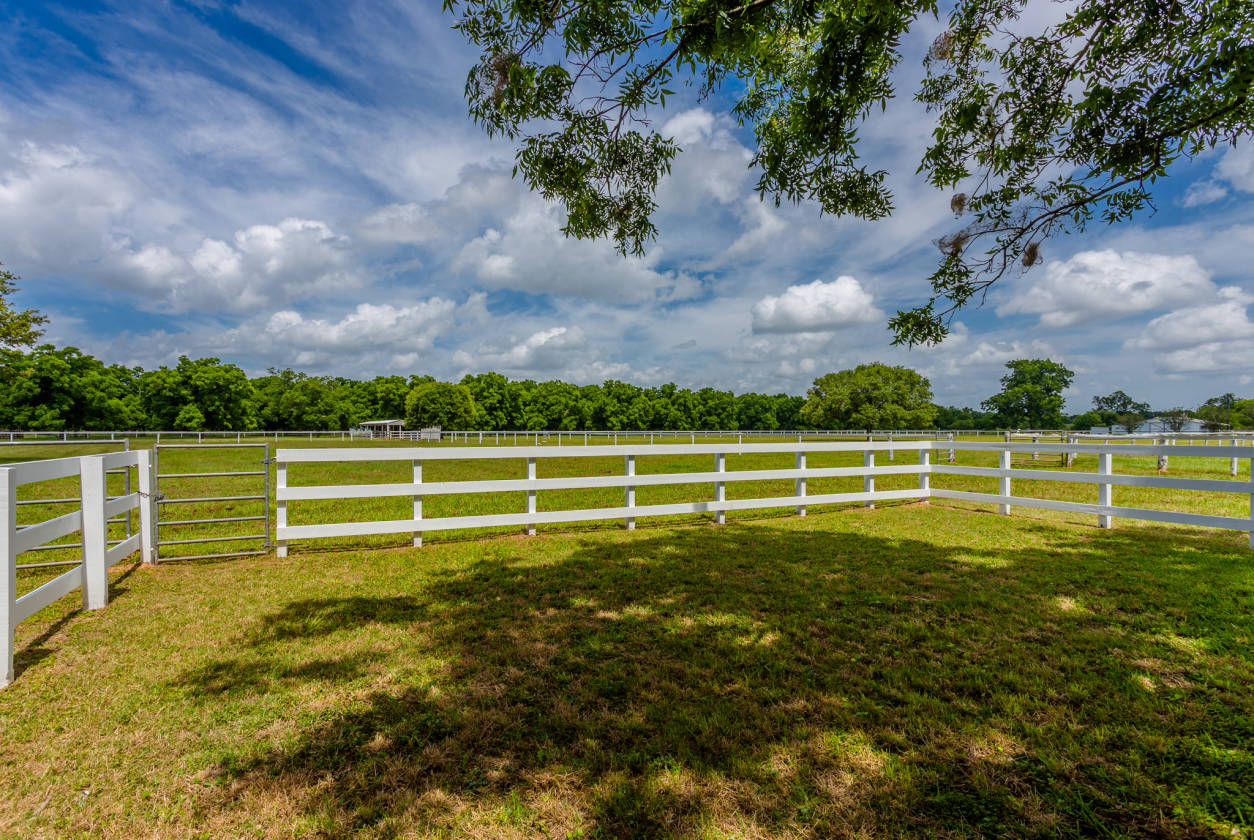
(38, 649)
(766, 681)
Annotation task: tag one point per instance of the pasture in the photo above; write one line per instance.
(915, 670)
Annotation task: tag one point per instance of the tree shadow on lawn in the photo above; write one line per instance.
(764, 681)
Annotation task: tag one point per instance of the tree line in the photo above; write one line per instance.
(48, 388)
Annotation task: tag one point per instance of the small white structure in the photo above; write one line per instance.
(383, 428)
(1158, 424)
(430, 433)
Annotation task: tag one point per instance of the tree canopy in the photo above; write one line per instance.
(1036, 132)
(1031, 394)
(872, 396)
(18, 328)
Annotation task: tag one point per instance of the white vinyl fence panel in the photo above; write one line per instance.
(91, 519)
(718, 504)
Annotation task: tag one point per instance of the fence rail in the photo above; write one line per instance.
(1103, 481)
(96, 509)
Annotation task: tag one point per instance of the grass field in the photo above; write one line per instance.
(906, 672)
(911, 671)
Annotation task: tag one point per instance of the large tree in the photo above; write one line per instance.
(1119, 408)
(443, 404)
(872, 396)
(1031, 394)
(1037, 130)
(18, 328)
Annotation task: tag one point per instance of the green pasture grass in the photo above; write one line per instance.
(914, 671)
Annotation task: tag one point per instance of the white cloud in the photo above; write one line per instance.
(816, 307)
(1203, 192)
(1237, 167)
(368, 328)
(1100, 285)
(263, 264)
(1213, 336)
(531, 254)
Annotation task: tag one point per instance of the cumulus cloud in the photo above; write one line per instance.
(1100, 285)
(1212, 336)
(262, 264)
(531, 254)
(816, 307)
(558, 352)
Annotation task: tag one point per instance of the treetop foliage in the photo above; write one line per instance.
(871, 396)
(1037, 132)
(1031, 394)
(17, 328)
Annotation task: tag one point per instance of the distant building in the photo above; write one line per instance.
(383, 428)
(1154, 425)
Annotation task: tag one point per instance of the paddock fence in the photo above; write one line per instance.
(93, 511)
(1103, 482)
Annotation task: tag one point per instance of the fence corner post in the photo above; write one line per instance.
(629, 491)
(280, 506)
(417, 503)
(1003, 481)
(925, 474)
(95, 532)
(799, 487)
(1105, 463)
(147, 505)
(720, 488)
(868, 481)
(531, 495)
(8, 576)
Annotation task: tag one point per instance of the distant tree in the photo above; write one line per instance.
(221, 393)
(17, 328)
(1088, 420)
(1031, 394)
(871, 396)
(1119, 408)
(756, 412)
(189, 419)
(1176, 419)
(442, 404)
(59, 388)
(1243, 414)
(1216, 413)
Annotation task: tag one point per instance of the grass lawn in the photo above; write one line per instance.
(912, 671)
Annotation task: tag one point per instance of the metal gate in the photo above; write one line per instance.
(167, 517)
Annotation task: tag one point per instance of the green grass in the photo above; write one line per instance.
(915, 671)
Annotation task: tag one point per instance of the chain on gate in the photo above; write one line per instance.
(163, 503)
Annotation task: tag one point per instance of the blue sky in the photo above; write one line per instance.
(284, 184)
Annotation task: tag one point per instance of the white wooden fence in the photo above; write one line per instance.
(95, 507)
(1103, 481)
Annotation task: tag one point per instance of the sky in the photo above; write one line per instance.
(298, 185)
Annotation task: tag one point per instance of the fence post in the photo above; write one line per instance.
(95, 532)
(951, 451)
(868, 481)
(1105, 462)
(1252, 505)
(1232, 467)
(147, 505)
(1162, 459)
(891, 452)
(417, 502)
(531, 495)
(280, 507)
(799, 487)
(629, 492)
(1003, 482)
(8, 576)
(925, 478)
(720, 488)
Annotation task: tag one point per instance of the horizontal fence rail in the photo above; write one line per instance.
(96, 509)
(1103, 482)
